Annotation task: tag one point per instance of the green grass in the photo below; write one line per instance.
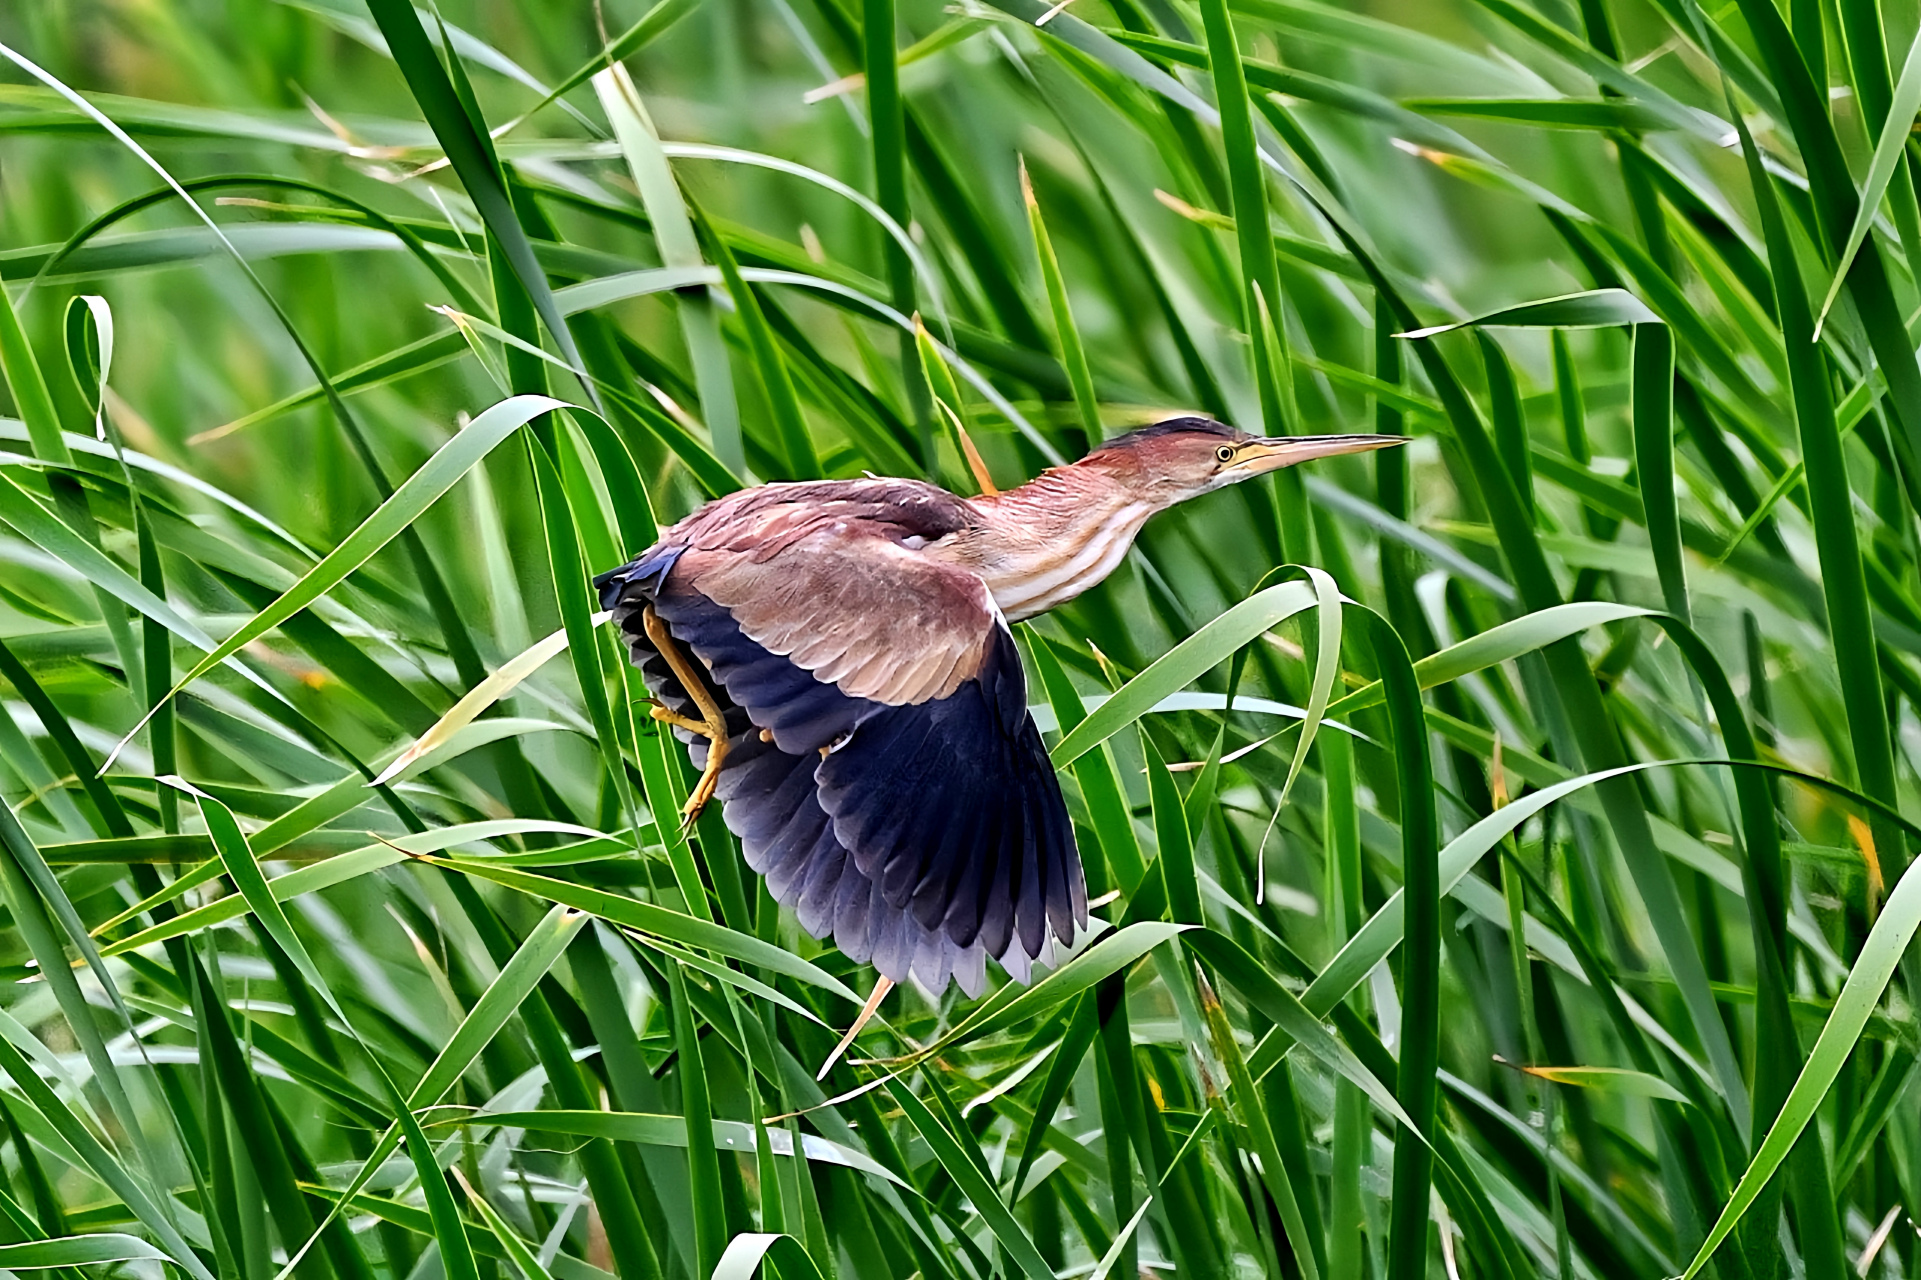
(1522, 890)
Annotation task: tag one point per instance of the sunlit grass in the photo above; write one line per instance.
(365, 955)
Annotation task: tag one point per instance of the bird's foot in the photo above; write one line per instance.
(711, 725)
(668, 716)
(716, 756)
(709, 780)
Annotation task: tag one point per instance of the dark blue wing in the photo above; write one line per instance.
(952, 807)
(923, 836)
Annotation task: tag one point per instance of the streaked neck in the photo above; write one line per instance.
(1056, 536)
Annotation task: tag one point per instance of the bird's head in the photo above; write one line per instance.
(1184, 458)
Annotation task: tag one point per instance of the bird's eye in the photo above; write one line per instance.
(1225, 453)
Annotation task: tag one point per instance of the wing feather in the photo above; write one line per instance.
(856, 609)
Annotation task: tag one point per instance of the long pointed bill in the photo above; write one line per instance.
(1271, 453)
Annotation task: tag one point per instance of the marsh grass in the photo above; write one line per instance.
(1522, 890)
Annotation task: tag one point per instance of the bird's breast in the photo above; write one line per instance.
(1034, 575)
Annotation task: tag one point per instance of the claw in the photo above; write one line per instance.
(704, 789)
(712, 725)
(679, 721)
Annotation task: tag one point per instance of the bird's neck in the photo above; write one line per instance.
(1060, 534)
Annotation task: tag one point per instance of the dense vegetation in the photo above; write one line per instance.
(1519, 892)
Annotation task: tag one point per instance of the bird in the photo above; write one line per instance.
(837, 657)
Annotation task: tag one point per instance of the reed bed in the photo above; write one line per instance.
(1501, 845)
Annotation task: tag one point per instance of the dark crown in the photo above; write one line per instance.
(1173, 426)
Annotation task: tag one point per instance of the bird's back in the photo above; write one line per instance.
(764, 521)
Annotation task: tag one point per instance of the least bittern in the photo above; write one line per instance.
(855, 700)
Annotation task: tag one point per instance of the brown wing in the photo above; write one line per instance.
(850, 587)
(856, 610)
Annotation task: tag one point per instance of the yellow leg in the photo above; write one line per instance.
(711, 725)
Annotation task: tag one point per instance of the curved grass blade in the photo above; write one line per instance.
(924, 272)
(1614, 1080)
(973, 1181)
(470, 151)
(1013, 1004)
(477, 700)
(1873, 969)
(1383, 931)
(1503, 642)
(1591, 309)
(674, 237)
(1594, 730)
(1073, 353)
(523, 1258)
(747, 1251)
(1889, 149)
(244, 871)
(99, 1160)
(671, 1131)
(1654, 459)
(78, 1251)
(254, 239)
(1174, 670)
(606, 289)
(89, 334)
(418, 492)
(1327, 668)
(344, 867)
(648, 918)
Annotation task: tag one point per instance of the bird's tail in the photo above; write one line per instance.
(646, 573)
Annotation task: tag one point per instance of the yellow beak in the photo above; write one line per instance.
(1271, 453)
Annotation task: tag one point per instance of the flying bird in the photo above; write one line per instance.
(837, 658)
